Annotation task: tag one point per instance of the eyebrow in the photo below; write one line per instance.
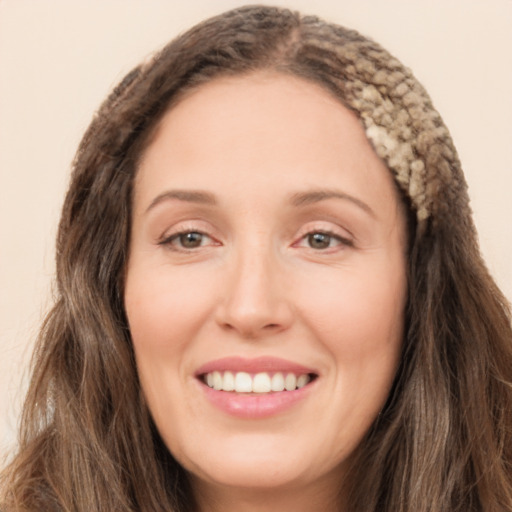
(189, 196)
(315, 196)
(298, 199)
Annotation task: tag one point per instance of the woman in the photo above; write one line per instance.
(270, 293)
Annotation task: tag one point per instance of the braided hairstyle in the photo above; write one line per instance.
(444, 439)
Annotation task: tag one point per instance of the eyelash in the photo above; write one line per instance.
(169, 241)
(342, 241)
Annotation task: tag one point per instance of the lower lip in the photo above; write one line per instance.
(255, 406)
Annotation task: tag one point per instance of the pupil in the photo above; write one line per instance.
(191, 240)
(319, 240)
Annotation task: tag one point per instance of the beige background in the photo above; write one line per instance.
(59, 58)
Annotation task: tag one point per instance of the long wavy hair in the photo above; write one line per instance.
(443, 442)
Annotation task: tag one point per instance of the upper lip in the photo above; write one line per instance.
(254, 365)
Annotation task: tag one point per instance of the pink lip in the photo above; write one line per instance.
(259, 364)
(249, 405)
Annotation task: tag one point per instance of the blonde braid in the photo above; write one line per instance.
(399, 118)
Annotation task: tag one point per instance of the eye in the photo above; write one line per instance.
(187, 240)
(191, 240)
(322, 240)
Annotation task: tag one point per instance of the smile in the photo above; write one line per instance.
(255, 388)
(263, 382)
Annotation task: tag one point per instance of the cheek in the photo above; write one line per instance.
(164, 309)
(359, 320)
(165, 312)
(359, 305)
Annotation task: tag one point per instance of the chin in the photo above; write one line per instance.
(254, 462)
(249, 475)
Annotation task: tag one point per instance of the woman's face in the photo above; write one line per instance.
(267, 251)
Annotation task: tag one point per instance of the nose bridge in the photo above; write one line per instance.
(255, 299)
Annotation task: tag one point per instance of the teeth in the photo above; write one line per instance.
(277, 382)
(228, 382)
(243, 382)
(261, 383)
(217, 381)
(290, 382)
(302, 381)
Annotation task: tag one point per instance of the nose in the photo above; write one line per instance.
(255, 302)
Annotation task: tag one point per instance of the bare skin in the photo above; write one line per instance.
(265, 226)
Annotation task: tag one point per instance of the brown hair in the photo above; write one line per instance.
(443, 441)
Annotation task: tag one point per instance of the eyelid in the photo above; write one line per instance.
(325, 227)
(182, 228)
(342, 241)
(167, 239)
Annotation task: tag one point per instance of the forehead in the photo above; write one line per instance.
(263, 128)
(263, 98)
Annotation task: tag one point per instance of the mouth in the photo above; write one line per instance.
(261, 383)
(255, 388)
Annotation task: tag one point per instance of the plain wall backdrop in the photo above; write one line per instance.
(59, 59)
